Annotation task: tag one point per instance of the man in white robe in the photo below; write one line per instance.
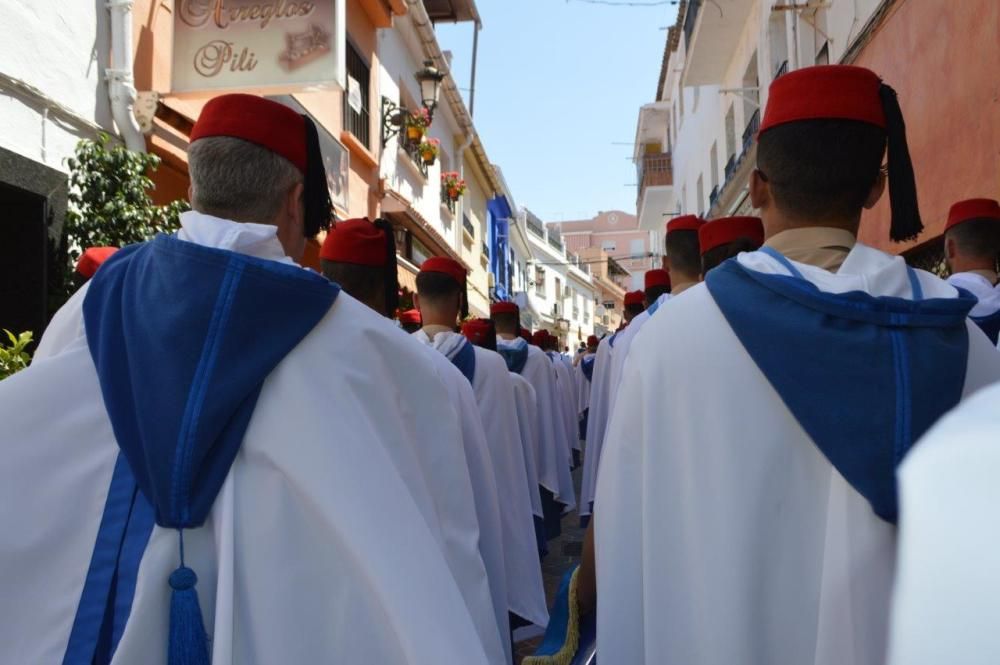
(946, 599)
(558, 494)
(360, 256)
(440, 298)
(170, 477)
(600, 406)
(656, 293)
(971, 246)
(483, 333)
(747, 487)
(565, 394)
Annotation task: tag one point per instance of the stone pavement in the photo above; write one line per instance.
(564, 552)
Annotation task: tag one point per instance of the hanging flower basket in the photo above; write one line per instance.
(417, 124)
(453, 184)
(429, 150)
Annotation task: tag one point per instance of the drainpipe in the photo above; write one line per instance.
(461, 173)
(121, 87)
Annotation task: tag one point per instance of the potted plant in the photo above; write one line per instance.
(453, 184)
(416, 125)
(429, 150)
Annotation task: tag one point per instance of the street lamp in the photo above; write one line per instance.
(430, 78)
(394, 116)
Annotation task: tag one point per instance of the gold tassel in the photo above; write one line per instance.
(568, 650)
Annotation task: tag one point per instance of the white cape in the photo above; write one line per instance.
(494, 394)
(987, 294)
(622, 345)
(341, 503)
(599, 396)
(526, 403)
(733, 539)
(947, 597)
(553, 463)
(566, 390)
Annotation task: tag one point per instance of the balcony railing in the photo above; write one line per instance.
(556, 242)
(730, 167)
(782, 70)
(536, 227)
(447, 201)
(751, 131)
(713, 196)
(486, 250)
(576, 313)
(467, 225)
(655, 170)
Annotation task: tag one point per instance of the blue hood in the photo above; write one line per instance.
(514, 352)
(864, 376)
(183, 337)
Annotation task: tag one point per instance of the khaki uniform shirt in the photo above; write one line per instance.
(821, 246)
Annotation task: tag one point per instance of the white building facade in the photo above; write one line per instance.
(695, 144)
(560, 289)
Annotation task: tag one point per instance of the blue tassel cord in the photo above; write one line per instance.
(188, 642)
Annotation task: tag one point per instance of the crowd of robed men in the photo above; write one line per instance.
(219, 456)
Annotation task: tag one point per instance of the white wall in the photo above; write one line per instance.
(702, 125)
(400, 57)
(60, 48)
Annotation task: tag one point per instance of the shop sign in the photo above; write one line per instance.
(258, 45)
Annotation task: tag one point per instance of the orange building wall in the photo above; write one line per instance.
(943, 58)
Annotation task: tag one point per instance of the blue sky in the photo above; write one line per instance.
(558, 84)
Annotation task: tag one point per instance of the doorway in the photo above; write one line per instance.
(23, 260)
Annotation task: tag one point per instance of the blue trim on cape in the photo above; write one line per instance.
(465, 360)
(516, 357)
(989, 324)
(182, 337)
(109, 587)
(888, 367)
(587, 367)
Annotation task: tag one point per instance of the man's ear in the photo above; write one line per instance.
(950, 248)
(760, 191)
(876, 192)
(295, 205)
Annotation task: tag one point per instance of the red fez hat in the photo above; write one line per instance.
(445, 266)
(685, 223)
(281, 130)
(966, 211)
(657, 277)
(826, 92)
(634, 298)
(411, 316)
(540, 338)
(526, 335)
(355, 241)
(268, 124)
(846, 92)
(92, 258)
(478, 331)
(593, 341)
(725, 230)
(504, 308)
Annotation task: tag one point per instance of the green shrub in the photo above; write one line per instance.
(13, 356)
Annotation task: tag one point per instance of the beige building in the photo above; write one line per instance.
(617, 233)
